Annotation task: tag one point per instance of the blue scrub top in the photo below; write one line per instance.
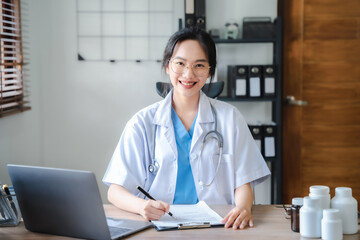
(185, 191)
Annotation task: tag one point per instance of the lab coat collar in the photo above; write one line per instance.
(204, 113)
(163, 118)
(163, 114)
(205, 118)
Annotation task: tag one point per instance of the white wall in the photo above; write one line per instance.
(80, 108)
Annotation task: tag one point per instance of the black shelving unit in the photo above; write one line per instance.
(276, 162)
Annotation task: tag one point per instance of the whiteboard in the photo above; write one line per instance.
(126, 30)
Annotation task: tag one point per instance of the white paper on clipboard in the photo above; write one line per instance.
(189, 214)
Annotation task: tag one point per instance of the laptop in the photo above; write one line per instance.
(67, 203)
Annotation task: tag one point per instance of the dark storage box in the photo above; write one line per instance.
(258, 27)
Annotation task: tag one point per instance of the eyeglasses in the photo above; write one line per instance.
(200, 69)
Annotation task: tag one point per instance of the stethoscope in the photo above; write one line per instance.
(214, 134)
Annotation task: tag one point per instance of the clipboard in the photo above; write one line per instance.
(187, 226)
(189, 216)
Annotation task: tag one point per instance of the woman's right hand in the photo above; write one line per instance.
(153, 210)
(123, 199)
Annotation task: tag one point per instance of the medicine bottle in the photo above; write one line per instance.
(310, 218)
(323, 193)
(331, 225)
(295, 212)
(348, 208)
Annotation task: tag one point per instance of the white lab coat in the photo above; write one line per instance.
(241, 163)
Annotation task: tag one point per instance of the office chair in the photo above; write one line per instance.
(212, 90)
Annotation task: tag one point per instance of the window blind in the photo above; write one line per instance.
(11, 60)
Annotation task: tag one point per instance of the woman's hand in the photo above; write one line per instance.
(123, 199)
(153, 210)
(238, 218)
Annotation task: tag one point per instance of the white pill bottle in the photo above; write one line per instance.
(331, 225)
(348, 208)
(321, 192)
(310, 218)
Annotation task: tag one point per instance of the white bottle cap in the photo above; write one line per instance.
(297, 201)
(343, 191)
(319, 190)
(312, 202)
(331, 213)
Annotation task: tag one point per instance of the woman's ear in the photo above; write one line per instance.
(208, 76)
(167, 70)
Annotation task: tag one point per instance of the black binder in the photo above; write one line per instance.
(257, 133)
(200, 14)
(255, 87)
(238, 82)
(269, 81)
(269, 142)
(241, 81)
(195, 13)
(230, 82)
(189, 13)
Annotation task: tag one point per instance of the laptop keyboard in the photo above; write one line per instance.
(116, 231)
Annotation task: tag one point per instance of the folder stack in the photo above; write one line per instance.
(251, 81)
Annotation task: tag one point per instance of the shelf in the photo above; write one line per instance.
(276, 101)
(271, 159)
(250, 40)
(248, 99)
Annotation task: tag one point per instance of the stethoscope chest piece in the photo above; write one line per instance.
(154, 167)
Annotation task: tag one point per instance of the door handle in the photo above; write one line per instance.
(290, 100)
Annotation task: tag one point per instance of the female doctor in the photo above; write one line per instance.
(187, 147)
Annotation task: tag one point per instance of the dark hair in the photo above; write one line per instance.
(192, 33)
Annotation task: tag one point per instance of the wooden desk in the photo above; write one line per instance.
(270, 223)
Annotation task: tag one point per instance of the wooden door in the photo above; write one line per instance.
(321, 141)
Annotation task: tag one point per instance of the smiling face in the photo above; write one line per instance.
(190, 55)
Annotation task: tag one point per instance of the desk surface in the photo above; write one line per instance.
(270, 223)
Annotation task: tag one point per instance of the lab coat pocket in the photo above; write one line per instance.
(226, 168)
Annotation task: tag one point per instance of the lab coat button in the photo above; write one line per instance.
(193, 156)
